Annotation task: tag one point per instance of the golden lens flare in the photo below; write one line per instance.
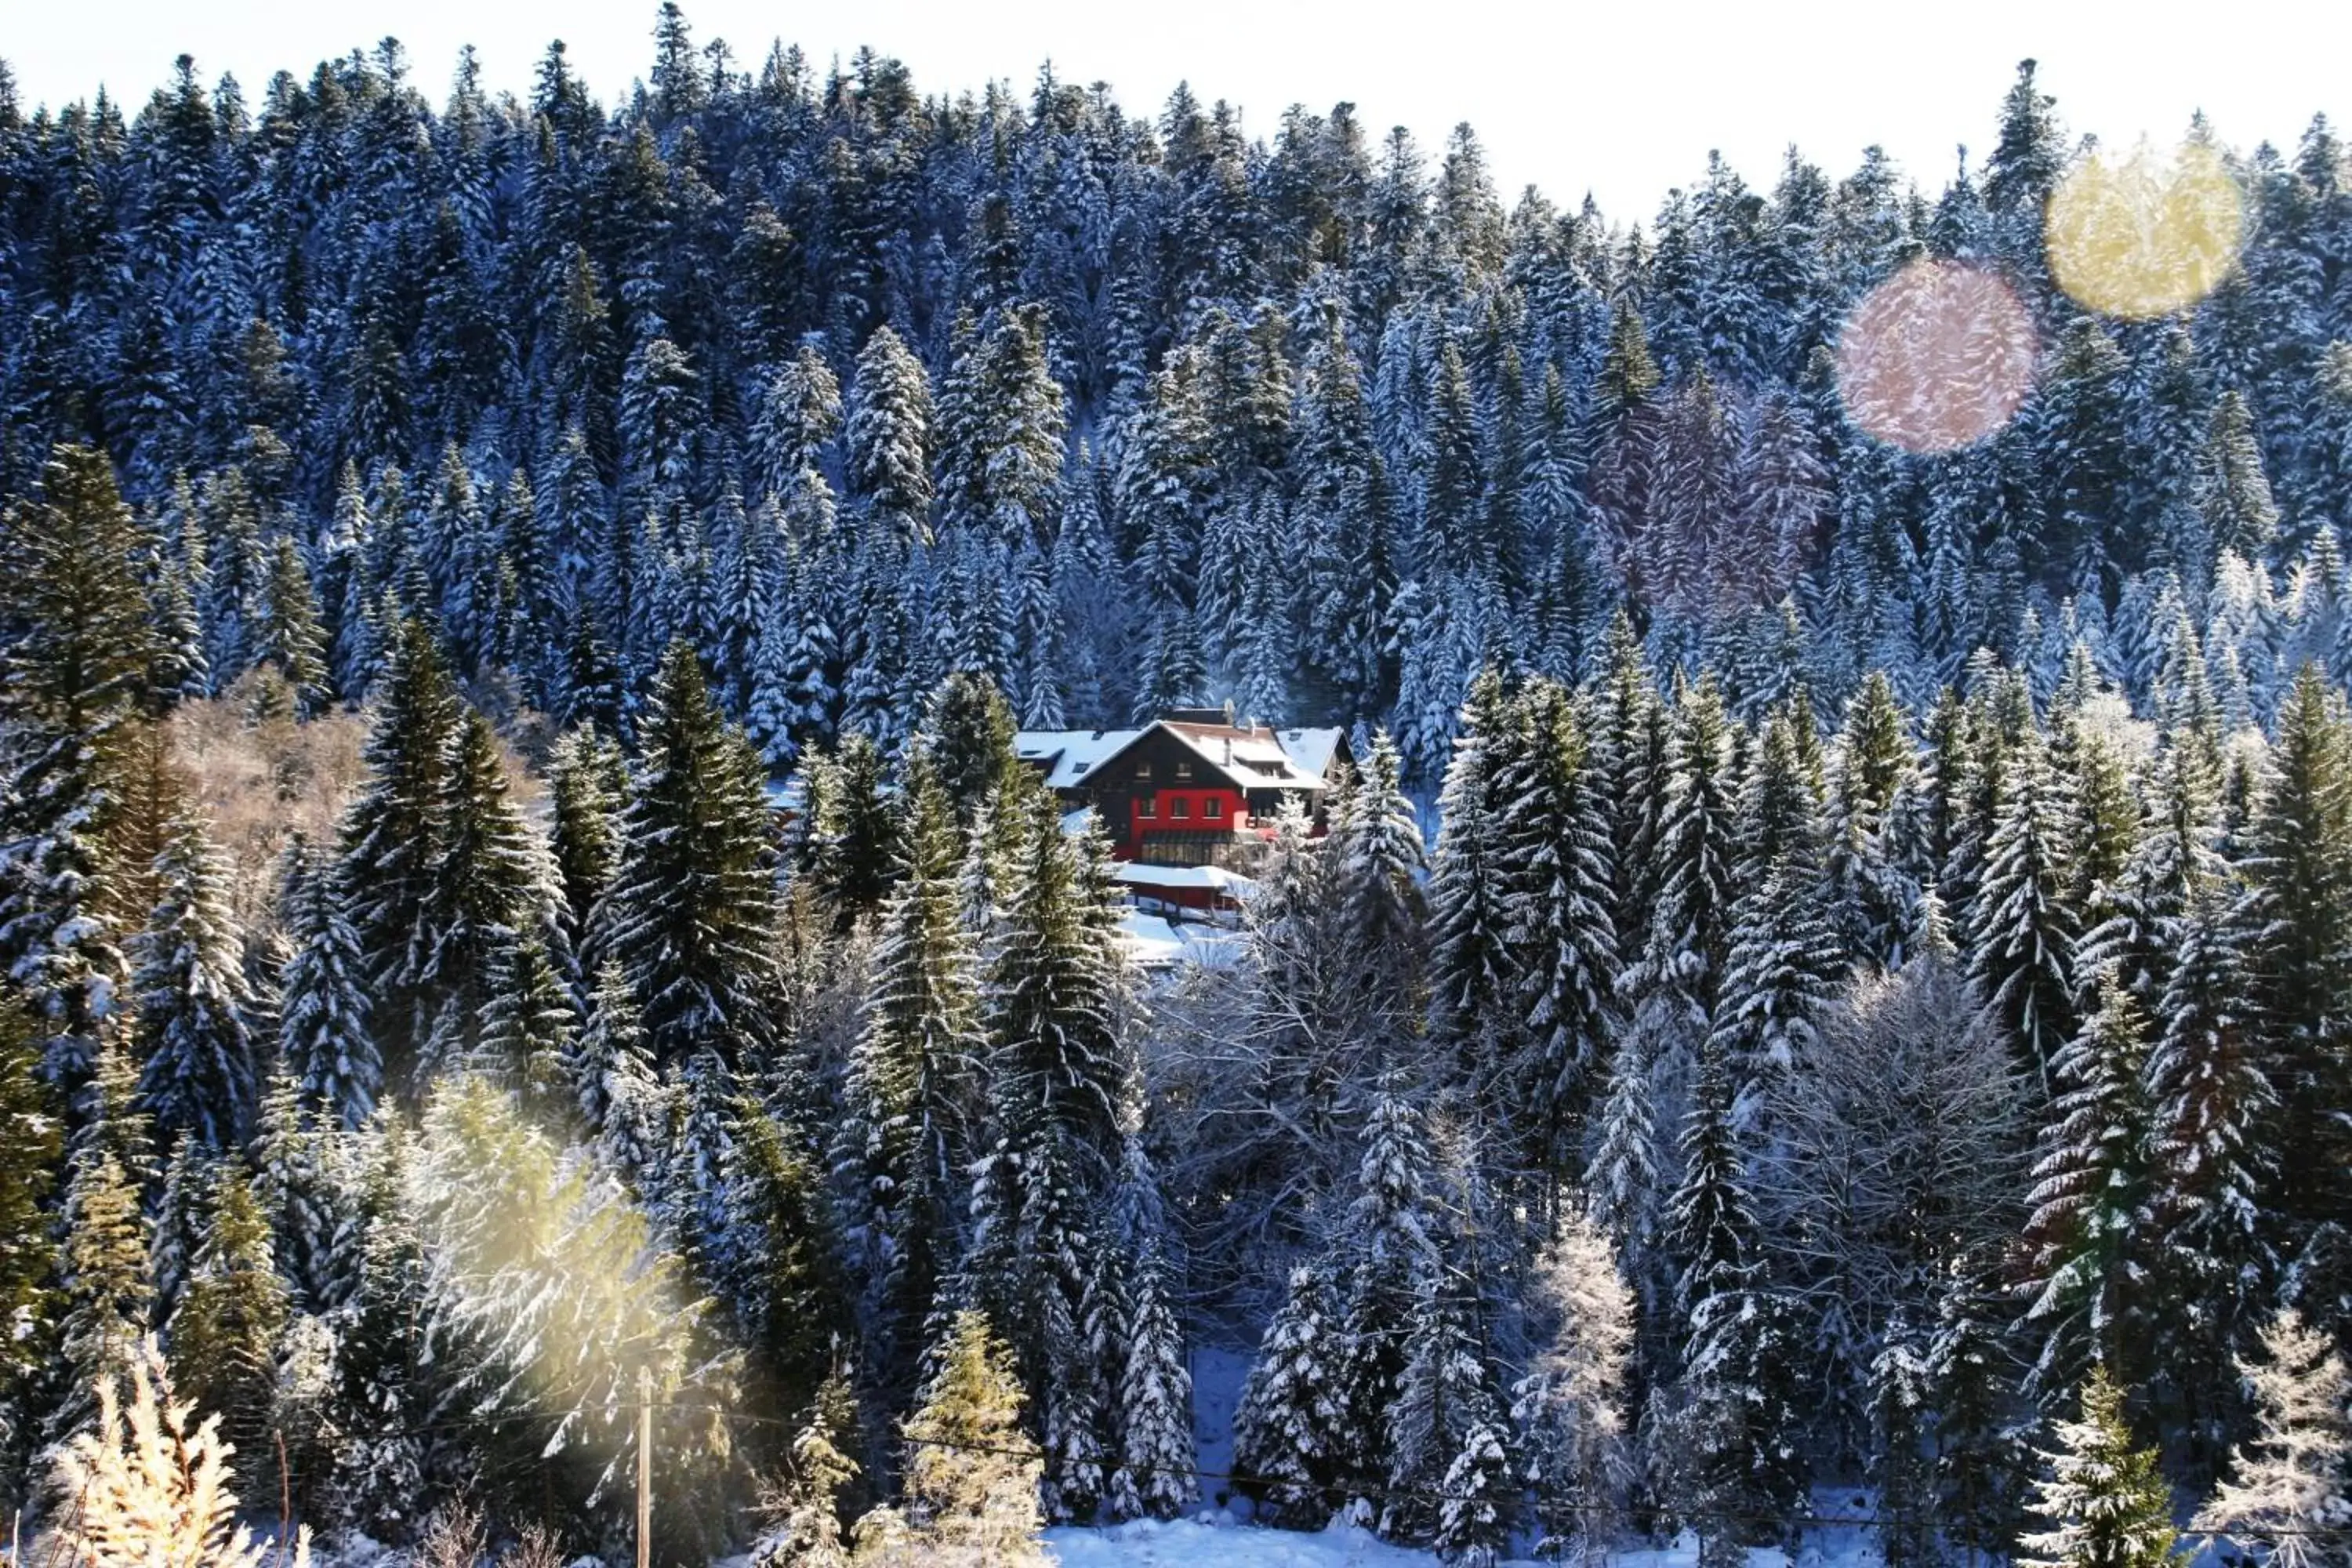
(2145, 234)
(1938, 357)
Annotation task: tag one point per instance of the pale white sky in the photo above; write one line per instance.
(1623, 99)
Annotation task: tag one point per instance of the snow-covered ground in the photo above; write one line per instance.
(1219, 1536)
(1193, 1544)
(1220, 1542)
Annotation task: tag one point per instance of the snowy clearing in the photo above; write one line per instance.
(1221, 1543)
(1146, 1544)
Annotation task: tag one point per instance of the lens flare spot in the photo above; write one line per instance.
(2145, 234)
(1938, 357)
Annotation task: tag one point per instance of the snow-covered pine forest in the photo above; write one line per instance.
(1875, 1013)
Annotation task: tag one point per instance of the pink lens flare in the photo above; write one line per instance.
(1936, 358)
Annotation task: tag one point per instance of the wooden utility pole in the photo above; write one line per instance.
(644, 1466)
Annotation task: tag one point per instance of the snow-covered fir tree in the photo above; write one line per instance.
(201, 1076)
(2288, 1485)
(2102, 1500)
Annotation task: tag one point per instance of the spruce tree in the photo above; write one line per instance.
(1697, 835)
(1557, 926)
(323, 1031)
(107, 1297)
(1471, 975)
(1977, 1472)
(1444, 1410)
(2298, 870)
(298, 1182)
(489, 887)
(785, 1287)
(2232, 494)
(2211, 1163)
(1782, 961)
(78, 652)
(2025, 928)
(970, 732)
(1873, 776)
(392, 838)
(2103, 1502)
(176, 1227)
(1898, 1395)
(908, 1091)
(1623, 1176)
(970, 1473)
(385, 1370)
(855, 830)
(1290, 1422)
(1053, 990)
(1154, 1403)
(587, 783)
(1393, 1262)
(1474, 1522)
(225, 1332)
(1735, 1433)
(178, 669)
(31, 1139)
(2089, 1231)
(290, 640)
(694, 904)
(612, 1078)
(1379, 851)
(200, 1074)
(889, 433)
(595, 689)
(527, 1023)
(2289, 1483)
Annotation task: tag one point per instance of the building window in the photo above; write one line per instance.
(1147, 806)
(1213, 807)
(1183, 770)
(1178, 849)
(1143, 770)
(1180, 807)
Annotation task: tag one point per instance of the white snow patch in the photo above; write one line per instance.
(1216, 1540)
(1150, 941)
(1153, 942)
(1197, 1543)
(1070, 756)
(1217, 1377)
(1231, 884)
(1311, 749)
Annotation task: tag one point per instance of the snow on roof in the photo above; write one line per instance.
(1256, 757)
(1080, 823)
(1068, 756)
(1151, 941)
(1135, 874)
(1212, 947)
(1156, 943)
(1312, 750)
(1252, 756)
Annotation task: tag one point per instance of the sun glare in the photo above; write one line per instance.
(1936, 358)
(2146, 232)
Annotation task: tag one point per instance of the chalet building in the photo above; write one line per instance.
(1191, 790)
